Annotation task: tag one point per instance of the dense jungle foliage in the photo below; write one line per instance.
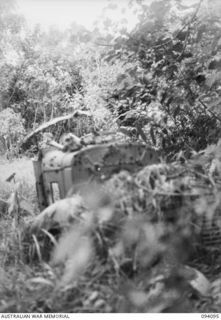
(147, 241)
(161, 80)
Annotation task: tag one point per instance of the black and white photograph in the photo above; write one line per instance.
(110, 157)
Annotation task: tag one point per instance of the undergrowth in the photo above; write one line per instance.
(136, 244)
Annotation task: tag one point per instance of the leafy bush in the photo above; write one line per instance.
(176, 70)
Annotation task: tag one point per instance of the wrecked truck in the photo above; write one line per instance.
(57, 172)
(76, 162)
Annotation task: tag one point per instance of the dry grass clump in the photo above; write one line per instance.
(22, 183)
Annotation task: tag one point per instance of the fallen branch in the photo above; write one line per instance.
(54, 121)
